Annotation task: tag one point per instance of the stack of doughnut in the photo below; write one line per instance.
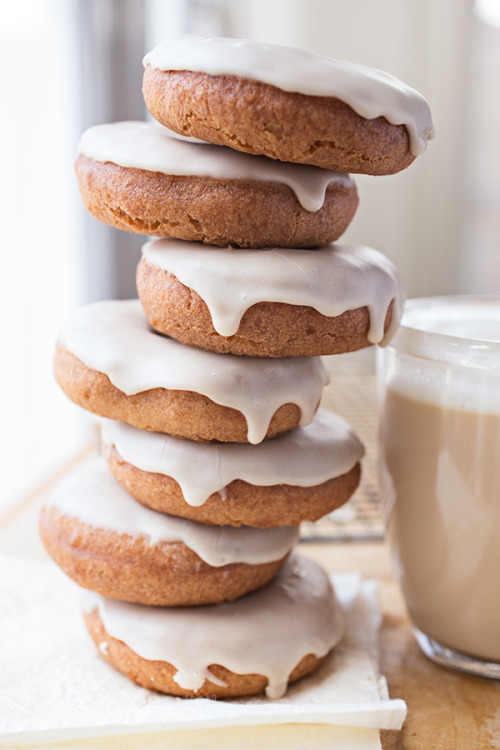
(213, 446)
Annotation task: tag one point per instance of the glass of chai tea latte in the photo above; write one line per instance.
(439, 386)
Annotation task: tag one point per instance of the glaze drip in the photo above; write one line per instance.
(266, 632)
(114, 338)
(304, 457)
(331, 279)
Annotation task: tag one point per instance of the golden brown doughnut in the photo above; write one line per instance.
(110, 361)
(289, 104)
(159, 676)
(131, 569)
(108, 543)
(257, 118)
(242, 503)
(259, 642)
(244, 213)
(270, 327)
(181, 413)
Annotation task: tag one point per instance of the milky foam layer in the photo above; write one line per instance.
(476, 318)
(149, 146)
(267, 632)
(92, 495)
(331, 279)
(447, 353)
(304, 457)
(114, 338)
(369, 92)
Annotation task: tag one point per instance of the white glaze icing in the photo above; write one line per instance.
(304, 457)
(267, 632)
(149, 146)
(331, 279)
(92, 495)
(114, 338)
(368, 91)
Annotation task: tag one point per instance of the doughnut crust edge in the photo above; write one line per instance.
(180, 413)
(267, 329)
(166, 574)
(243, 503)
(258, 118)
(158, 675)
(239, 213)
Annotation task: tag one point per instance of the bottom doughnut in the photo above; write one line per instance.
(257, 644)
(160, 676)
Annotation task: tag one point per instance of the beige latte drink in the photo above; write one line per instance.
(440, 469)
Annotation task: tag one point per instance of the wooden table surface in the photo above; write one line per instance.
(446, 711)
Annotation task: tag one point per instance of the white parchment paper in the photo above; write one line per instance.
(54, 686)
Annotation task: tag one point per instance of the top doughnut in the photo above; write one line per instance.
(287, 104)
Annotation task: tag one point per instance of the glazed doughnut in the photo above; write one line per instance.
(287, 104)
(300, 476)
(108, 543)
(270, 302)
(109, 361)
(258, 643)
(137, 177)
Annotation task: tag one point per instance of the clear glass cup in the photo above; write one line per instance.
(439, 427)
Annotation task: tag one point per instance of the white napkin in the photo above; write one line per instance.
(54, 686)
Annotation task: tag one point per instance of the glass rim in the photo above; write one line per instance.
(445, 347)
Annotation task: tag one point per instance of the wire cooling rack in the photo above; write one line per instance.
(353, 396)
